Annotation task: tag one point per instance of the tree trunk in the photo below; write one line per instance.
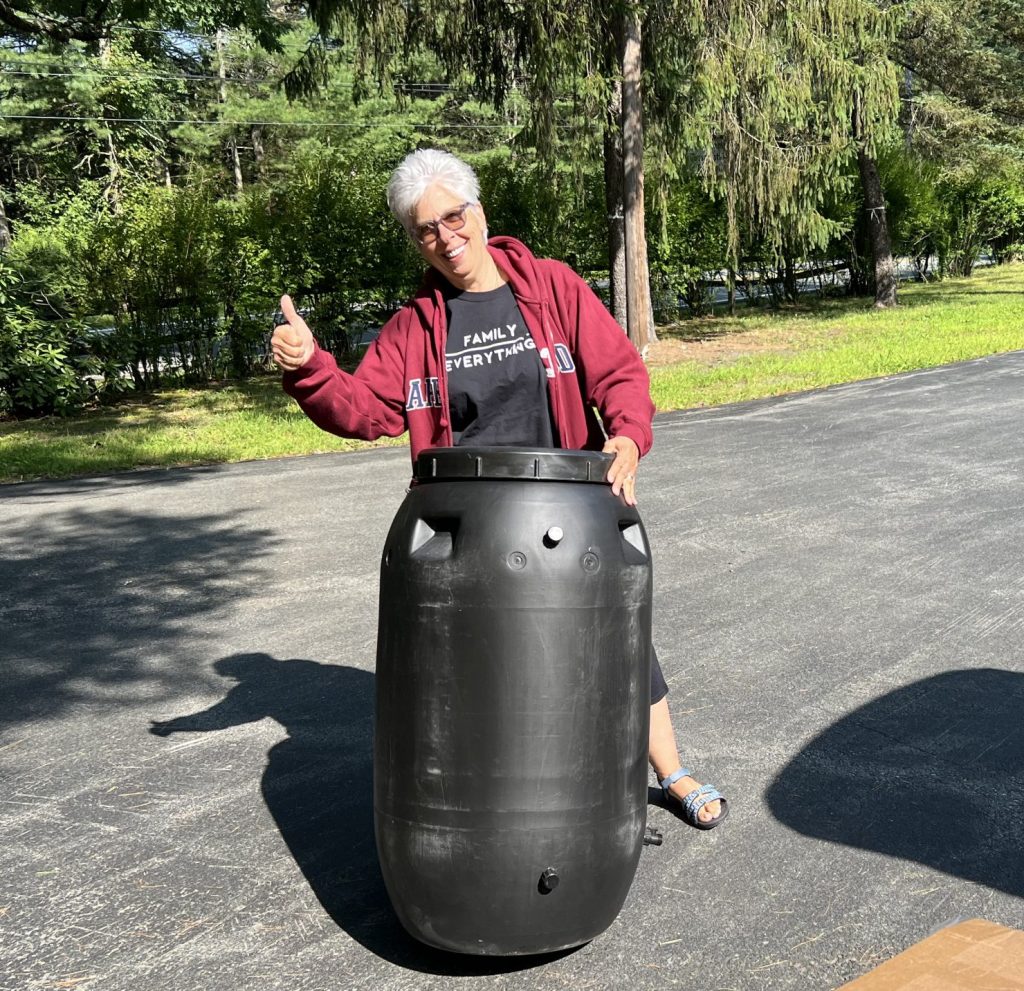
(613, 206)
(639, 319)
(856, 260)
(112, 192)
(878, 229)
(232, 145)
(259, 154)
(791, 293)
(236, 165)
(239, 359)
(5, 228)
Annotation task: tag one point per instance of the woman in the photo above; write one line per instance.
(497, 348)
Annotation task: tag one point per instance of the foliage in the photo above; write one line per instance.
(774, 97)
(838, 340)
(951, 216)
(241, 263)
(92, 20)
(44, 366)
(965, 75)
(152, 267)
(983, 211)
(75, 115)
(918, 215)
(769, 94)
(1002, 203)
(163, 187)
(48, 255)
(964, 115)
(691, 240)
(556, 212)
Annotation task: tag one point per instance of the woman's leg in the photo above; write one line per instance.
(662, 749)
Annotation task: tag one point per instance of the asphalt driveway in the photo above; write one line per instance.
(186, 665)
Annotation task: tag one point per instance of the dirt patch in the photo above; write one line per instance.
(714, 348)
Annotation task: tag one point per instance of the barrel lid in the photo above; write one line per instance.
(543, 464)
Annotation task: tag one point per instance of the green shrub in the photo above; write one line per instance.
(687, 239)
(44, 367)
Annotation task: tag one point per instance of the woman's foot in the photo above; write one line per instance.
(700, 805)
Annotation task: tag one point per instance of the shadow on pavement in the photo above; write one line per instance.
(932, 772)
(101, 481)
(318, 786)
(96, 603)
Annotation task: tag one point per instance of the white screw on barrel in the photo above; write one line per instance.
(554, 534)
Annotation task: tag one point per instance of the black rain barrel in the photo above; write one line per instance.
(513, 700)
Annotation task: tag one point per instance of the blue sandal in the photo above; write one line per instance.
(690, 806)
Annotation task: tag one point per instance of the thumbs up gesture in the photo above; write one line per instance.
(292, 344)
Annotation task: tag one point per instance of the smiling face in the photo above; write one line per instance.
(460, 256)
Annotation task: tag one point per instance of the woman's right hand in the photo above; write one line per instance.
(292, 344)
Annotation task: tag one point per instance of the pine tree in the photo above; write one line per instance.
(771, 99)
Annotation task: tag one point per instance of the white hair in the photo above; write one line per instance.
(422, 169)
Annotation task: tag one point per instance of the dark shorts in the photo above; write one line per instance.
(659, 687)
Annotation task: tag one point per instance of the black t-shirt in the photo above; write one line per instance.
(497, 383)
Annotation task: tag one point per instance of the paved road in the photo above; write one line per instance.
(839, 610)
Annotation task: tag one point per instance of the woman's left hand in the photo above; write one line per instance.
(622, 473)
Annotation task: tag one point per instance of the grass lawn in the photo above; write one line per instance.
(696, 363)
(240, 421)
(723, 360)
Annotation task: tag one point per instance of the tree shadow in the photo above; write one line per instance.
(318, 786)
(93, 597)
(101, 481)
(932, 772)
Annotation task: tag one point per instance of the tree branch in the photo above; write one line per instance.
(59, 28)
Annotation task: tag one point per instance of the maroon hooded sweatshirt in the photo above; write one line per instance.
(401, 382)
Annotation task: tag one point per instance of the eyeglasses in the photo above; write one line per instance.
(454, 220)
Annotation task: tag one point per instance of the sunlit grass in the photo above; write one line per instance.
(845, 341)
(818, 344)
(246, 421)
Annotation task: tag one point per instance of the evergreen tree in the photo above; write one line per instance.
(89, 21)
(773, 99)
(964, 114)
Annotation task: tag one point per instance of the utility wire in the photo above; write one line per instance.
(509, 125)
(88, 73)
(29, 65)
(110, 73)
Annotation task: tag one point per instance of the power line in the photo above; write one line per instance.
(111, 73)
(58, 67)
(273, 123)
(63, 63)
